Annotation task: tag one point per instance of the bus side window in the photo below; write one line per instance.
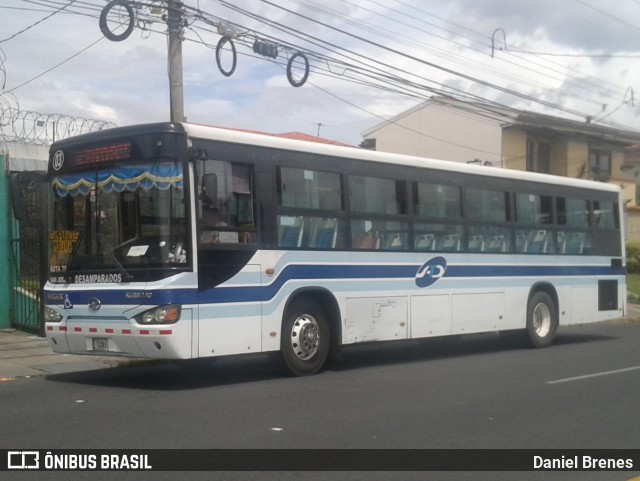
(227, 203)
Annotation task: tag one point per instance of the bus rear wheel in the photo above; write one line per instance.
(542, 320)
(305, 337)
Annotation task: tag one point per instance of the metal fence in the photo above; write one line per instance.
(28, 250)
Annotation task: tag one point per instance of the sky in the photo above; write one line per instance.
(369, 60)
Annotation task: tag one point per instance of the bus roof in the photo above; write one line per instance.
(266, 140)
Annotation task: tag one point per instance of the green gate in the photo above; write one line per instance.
(28, 250)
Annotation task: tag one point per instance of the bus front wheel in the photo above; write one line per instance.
(305, 337)
(542, 320)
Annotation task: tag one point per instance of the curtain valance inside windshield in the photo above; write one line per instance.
(119, 179)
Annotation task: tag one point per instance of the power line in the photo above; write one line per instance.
(584, 82)
(338, 63)
(607, 14)
(55, 66)
(431, 64)
(36, 23)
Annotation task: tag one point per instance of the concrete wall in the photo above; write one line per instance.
(440, 133)
(514, 149)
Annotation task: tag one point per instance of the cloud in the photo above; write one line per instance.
(369, 60)
(582, 25)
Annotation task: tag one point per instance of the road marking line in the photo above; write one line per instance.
(596, 374)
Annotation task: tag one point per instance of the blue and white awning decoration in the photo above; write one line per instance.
(120, 179)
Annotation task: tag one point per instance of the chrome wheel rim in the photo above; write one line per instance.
(541, 319)
(305, 337)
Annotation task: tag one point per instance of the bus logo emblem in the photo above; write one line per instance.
(431, 271)
(58, 160)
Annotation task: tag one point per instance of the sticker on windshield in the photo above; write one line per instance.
(137, 251)
(431, 271)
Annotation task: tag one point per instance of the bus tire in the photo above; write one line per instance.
(305, 337)
(542, 320)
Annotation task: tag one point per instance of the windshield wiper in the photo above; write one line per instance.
(108, 248)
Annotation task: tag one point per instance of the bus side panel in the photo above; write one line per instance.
(229, 334)
(228, 323)
(477, 312)
(582, 304)
(376, 319)
(430, 315)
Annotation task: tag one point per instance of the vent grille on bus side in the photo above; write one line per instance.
(608, 295)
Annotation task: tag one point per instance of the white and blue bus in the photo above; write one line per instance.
(178, 241)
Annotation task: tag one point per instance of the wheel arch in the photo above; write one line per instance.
(329, 304)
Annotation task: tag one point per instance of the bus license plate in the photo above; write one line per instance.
(100, 344)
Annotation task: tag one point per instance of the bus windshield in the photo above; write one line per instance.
(118, 224)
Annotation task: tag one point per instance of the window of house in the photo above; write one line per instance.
(538, 156)
(599, 163)
(369, 144)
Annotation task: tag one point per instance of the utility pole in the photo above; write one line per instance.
(175, 12)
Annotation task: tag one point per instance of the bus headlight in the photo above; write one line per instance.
(51, 316)
(169, 314)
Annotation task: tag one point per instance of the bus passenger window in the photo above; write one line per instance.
(309, 189)
(487, 205)
(325, 233)
(380, 235)
(605, 215)
(310, 232)
(574, 243)
(535, 241)
(490, 239)
(226, 203)
(572, 212)
(379, 196)
(433, 200)
(438, 237)
(533, 209)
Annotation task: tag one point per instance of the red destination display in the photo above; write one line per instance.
(98, 155)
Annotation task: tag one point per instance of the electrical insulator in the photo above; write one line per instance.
(266, 49)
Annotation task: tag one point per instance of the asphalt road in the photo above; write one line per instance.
(477, 392)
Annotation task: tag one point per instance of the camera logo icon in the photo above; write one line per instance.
(23, 460)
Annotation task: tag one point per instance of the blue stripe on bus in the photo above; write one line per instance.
(124, 297)
(299, 272)
(359, 272)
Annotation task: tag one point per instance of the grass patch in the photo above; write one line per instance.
(633, 284)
